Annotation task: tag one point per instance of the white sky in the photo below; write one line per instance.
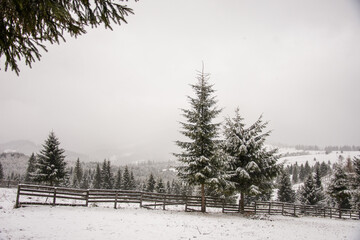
(297, 62)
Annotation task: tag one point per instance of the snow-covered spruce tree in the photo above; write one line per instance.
(118, 180)
(78, 174)
(97, 182)
(30, 169)
(356, 183)
(339, 188)
(133, 184)
(160, 188)
(285, 192)
(150, 186)
(250, 165)
(295, 174)
(199, 164)
(85, 181)
(106, 176)
(309, 194)
(50, 164)
(127, 179)
(1, 172)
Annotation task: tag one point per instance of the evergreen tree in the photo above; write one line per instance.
(199, 166)
(151, 183)
(30, 169)
(29, 26)
(78, 174)
(318, 177)
(285, 193)
(168, 187)
(118, 181)
(356, 183)
(1, 172)
(251, 166)
(132, 181)
(85, 182)
(160, 188)
(323, 169)
(50, 165)
(97, 183)
(308, 193)
(302, 174)
(339, 189)
(126, 179)
(175, 187)
(295, 174)
(307, 169)
(106, 175)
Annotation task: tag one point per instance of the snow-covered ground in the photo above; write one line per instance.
(45, 222)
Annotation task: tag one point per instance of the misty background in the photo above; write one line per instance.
(118, 94)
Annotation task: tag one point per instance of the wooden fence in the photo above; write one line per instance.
(46, 195)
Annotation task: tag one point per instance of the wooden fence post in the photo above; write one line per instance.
(223, 205)
(116, 198)
(304, 209)
(255, 208)
(141, 199)
(18, 197)
(294, 209)
(282, 210)
(87, 198)
(186, 203)
(164, 203)
(339, 213)
(324, 212)
(269, 208)
(54, 199)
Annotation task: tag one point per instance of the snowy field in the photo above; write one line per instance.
(45, 222)
(319, 156)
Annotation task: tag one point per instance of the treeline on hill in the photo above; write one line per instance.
(342, 188)
(328, 149)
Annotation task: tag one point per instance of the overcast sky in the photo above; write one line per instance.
(295, 62)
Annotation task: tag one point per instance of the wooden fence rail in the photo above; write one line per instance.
(46, 195)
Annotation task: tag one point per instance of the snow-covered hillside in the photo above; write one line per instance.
(318, 156)
(133, 223)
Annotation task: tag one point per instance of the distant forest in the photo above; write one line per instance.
(327, 149)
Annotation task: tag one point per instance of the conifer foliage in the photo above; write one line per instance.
(339, 189)
(285, 193)
(309, 193)
(250, 164)
(31, 168)
(199, 166)
(50, 165)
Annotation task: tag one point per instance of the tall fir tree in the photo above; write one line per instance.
(356, 183)
(150, 186)
(302, 173)
(160, 188)
(308, 193)
(199, 166)
(285, 192)
(78, 174)
(126, 179)
(50, 165)
(85, 181)
(251, 166)
(323, 169)
(30, 169)
(295, 174)
(106, 175)
(1, 172)
(168, 187)
(307, 169)
(118, 180)
(339, 189)
(97, 182)
(132, 181)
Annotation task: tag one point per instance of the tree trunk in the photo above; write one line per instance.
(242, 202)
(203, 207)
